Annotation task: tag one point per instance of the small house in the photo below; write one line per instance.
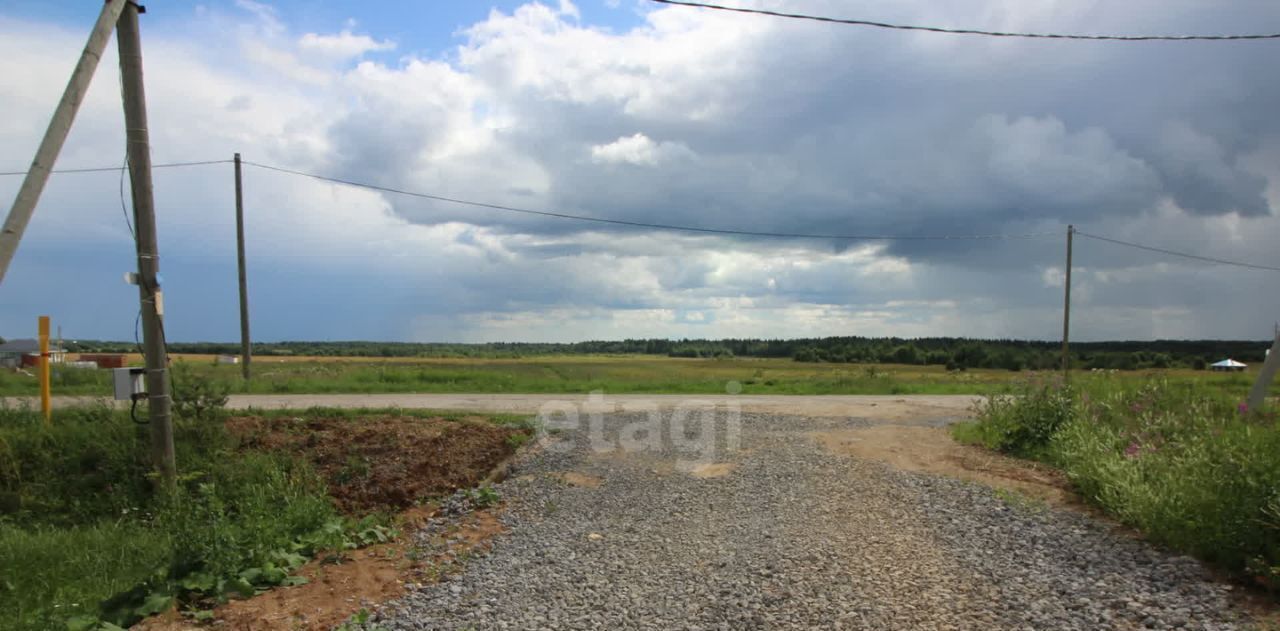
(26, 352)
(1228, 365)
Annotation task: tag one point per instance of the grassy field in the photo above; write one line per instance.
(580, 374)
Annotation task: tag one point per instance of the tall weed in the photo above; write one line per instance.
(1025, 423)
(1183, 464)
(77, 494)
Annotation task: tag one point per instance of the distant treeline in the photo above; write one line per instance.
(955, 353)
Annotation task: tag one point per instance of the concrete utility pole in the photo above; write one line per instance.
(1258, 393)
(1066, 309)
(144, 219)
(246, 352)
(38, 175)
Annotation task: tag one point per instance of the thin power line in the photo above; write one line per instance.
(121, 168)
(1197, 257)
(965, 31)
(661, 226)
(123, 210)
(657, 226)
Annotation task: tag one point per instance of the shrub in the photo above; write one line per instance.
(196, 397)
(234, 516)
(1023, 424)
(87, 464)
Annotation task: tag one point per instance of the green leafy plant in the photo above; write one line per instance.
(518, 439)
(1023, 424)
(359, 622)
(356, 467)
(196, 396)
(484, 496)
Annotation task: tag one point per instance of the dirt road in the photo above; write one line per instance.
(886, 407)
(916, 408)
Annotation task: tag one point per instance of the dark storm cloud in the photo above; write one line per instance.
(795, 128)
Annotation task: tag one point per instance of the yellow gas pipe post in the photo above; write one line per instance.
(46, 402)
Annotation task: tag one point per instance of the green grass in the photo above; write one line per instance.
(62, 381)
(617, 374)
(51, 574)
(1176, 460)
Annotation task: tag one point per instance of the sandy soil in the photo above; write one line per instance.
(932, 450)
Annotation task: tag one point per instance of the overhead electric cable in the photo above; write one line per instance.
(677, 227)
(1207, 259)
(965, 31)
(123, 210)
(122, 168)
(657, 226)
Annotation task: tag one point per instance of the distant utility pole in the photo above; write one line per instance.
(144, 219)
(1066, 310)
(246, 352)
(38, 175)
(1258, 393)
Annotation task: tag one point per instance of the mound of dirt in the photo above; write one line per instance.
(385, 462)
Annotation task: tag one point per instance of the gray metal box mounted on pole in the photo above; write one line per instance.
(130, 383)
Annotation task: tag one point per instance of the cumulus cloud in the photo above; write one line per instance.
(341, 46)
(637, 149)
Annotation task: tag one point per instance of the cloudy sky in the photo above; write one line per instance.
(631, 110)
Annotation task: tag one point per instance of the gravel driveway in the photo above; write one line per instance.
(777, 533)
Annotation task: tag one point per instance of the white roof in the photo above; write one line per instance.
(26, 346)
(1229, 363)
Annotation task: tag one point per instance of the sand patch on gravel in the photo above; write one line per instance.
(657, 465)
(573, 478)
(932, 450)
(712, 470)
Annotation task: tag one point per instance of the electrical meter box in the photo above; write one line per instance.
(129, 383)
